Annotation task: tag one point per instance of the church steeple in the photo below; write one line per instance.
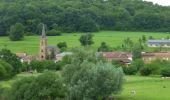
(43, 32)
(43, 45)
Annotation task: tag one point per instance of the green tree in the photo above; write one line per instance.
(103, 47)
(62, 46)
(137, 52)
(12, 59)
(53, 32)
(48, 86)
(92, 81)
(16, 32)
(5, 70)
(86, 39)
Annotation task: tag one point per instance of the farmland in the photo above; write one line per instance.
(30, 44)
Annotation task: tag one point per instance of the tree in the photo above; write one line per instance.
(86, 39)
(62, 46)
(103, 47)
(48, 86)
(53, 32)
(12, 59)
(5, 70)
(52, 54)
(92, 81)
(137, 52)
(89, 78)
(16, 32)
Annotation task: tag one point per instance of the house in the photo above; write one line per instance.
(159, 43)
(122, 57)
(24, 57)
(148, 57)
(60, 56)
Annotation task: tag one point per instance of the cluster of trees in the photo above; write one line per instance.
(157, 67)
(83, 15)
(85, 76)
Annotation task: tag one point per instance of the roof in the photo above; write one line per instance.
(116, 55)
(64, 54)
(159, 41)
(158, 55)
(21, 55)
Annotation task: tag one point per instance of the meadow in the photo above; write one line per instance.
(30, 44)
(146, 88)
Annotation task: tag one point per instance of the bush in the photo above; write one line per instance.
(165, 72)
(145, 71)
(53, 32)
(47, 86)
(41, 66)
(130, 70)
(5, 70)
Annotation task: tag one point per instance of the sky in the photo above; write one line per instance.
(161, 2)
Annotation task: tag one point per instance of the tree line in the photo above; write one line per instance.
(83, 15)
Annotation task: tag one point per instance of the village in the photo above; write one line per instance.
(125, 58)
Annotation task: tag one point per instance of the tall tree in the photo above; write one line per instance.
(16, 32)
(86, 39)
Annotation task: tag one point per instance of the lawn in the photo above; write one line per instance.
(147, 88)
(30, 44)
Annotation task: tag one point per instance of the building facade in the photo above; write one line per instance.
(159, 43)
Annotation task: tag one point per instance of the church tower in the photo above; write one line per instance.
(43, 45)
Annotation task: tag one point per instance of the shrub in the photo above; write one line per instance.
(5, 70)
(165, 72)
(53, 32)
(145, 71)
(130, 70)
(47, 86)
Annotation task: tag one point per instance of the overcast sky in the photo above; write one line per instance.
(161, 2)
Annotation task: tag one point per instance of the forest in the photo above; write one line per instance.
(83, 15)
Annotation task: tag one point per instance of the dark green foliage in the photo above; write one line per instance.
(16, 32)
(41, 66)
(145, 71)
(165, 72)
(86, 39)
(5, 70)
(12, 59)
(130, 70)
(62, 46)
(84, 16)
(48, 86)
(53, 32)
(103, 47)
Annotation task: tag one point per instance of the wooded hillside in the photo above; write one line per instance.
(84, 15)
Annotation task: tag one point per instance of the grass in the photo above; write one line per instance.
(147, 88)
(30, 44)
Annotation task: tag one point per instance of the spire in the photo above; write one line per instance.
(43, 32)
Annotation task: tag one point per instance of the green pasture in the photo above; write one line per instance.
(146, 88)
(30, 44)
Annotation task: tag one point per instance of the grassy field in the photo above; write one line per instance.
(147, 88)
(31, 43)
